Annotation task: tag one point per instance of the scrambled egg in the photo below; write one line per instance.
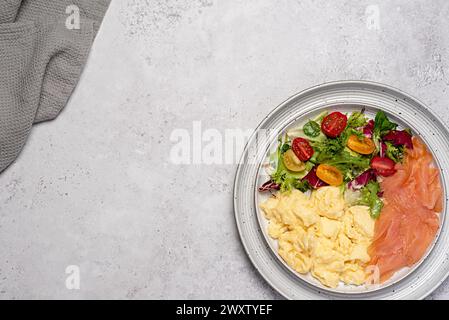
(320, 234)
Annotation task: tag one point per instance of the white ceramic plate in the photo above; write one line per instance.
(409, 283)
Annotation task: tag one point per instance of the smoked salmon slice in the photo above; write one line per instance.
(409, 220)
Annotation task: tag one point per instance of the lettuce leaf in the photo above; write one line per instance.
(395, 153)
(357, 120)
(370, 197)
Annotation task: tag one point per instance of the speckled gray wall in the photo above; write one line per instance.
(96, 189)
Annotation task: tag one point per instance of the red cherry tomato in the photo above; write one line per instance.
(383, 166)
(334, 124)
(302, 149)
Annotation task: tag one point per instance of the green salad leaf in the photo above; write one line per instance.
(350, 165)
(303, 186)
(344, 159)
(382, 125)
(370, 197)
(395, 153)
(351, 131)
(332, 146)
(333, 151)
(329, 147)
(357, 120)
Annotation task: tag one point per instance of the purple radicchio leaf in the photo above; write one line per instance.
(399, 138)
(362, 180)
(269, 185)
(368, 129)
(383, 149)
(313, 179)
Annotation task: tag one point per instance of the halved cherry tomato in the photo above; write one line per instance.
(302, 148)
(329, 174)
(334, 124)
(364, 146)
(383, 166)
(292, 162)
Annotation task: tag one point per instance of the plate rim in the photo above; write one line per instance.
(318, 285)
(304, 92)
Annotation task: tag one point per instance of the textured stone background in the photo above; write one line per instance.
(95, 188)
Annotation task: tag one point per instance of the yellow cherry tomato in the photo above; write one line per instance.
(329, 174)
(364, 146)
(292, 162)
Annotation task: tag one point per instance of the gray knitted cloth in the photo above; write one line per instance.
(42, 54)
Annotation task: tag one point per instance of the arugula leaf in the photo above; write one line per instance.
(371, 198)
(395, 153)
(357, 120)
(312, 129)
(382, 124)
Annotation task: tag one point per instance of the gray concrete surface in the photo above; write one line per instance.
(96, 189)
